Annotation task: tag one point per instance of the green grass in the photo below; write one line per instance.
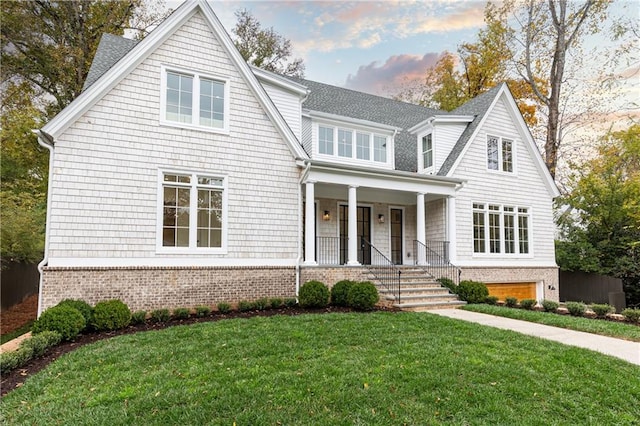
(369, 369)
(16, 333)
(588, 325)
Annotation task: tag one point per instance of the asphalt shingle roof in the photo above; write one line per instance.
(110, 50)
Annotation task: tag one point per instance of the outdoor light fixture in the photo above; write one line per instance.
(326, 215)
(380, 218)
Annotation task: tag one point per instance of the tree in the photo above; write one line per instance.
(601, 229)
(265, 48)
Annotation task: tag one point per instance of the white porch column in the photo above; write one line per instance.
(353, 228)
(309, 225)
(451, 227)
(421, 234)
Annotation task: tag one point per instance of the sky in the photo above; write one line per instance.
(381, 46)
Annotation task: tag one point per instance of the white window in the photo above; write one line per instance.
(345, 143)
(352, 144)
(427, 151)
(363, 146)
(193, 211)
(500, 229)
(193, 100)
(380, 148)
(499, 154)
(325, 140)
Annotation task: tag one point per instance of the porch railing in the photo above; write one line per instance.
(328, 250)
(385, 271)
(433, 258)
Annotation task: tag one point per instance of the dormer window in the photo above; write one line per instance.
(353, 145)
(427, 151)
(500, 154)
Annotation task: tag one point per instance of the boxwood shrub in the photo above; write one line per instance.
(111, 315)
(160, 315)
(262, 304)
(473, 291)
(181, 313)
(491, 300)
(577, 309)
(631, 315)
(314, 294)
(138, 317)
(224, 307)
(527, 304)
(65, 320)
(32, 347)
(511, 301)
(340, 292)
(290, 302)
(83, 307)
(601, 309)
(276, 302)
(245, 306)
(202, 311)
(363, 296)
(550, 305)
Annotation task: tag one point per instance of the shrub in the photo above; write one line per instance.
(83, 307)
(491, 300)
(160, 315)
(550, 305)
(276, 302)
(111, 315)
(340, 292)
(631, 315)
(261, 304)
(363, 296)
(511, 301)
(245, 305)
(601, 309)
(290, 302)
(203, 311)
(314, 294)
(65, 320)
(181, 313)
(138, 317)
(576, 309)
(38, 344)
(448, 283)
(527, 304)
(224, 307)
(13, 359)
(472, 291)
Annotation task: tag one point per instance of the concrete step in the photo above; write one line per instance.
(424, 298)
(427, 306)
(419, 290)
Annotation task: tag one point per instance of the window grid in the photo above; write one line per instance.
(499, 229)
(211, 103)
(478, 228)
(345, 143)
(494, 229)
(325, 140)
(500, 154)
(427, 151)
(380, 149)
(363, 146)
(509, 231)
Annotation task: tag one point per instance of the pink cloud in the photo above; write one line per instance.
(391, 77)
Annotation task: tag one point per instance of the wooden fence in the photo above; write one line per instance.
(591, 288)
(19, 281)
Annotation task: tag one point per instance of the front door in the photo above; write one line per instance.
(396, 236)
(363, 226)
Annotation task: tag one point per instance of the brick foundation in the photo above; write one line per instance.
(158, 287)
(548, 277)
(330, 275)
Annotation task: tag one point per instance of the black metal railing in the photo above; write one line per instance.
(385, 271)
(433, 258)
(328, 250)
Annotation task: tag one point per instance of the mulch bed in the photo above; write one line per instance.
(20, 314)
(16, 378)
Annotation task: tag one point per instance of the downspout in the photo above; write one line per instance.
(304, 173)
(45, 141)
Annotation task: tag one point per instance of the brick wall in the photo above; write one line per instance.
(156, 287)
(545, 277)
(331, 275)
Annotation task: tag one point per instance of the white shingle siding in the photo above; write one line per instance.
(445, 137)
(307, 135)
(105, 178)
(524, 188)
(289, 105)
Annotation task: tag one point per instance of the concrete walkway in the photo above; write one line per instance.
(623, 349)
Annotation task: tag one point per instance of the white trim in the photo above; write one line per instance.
(487, 254)
(274, 79)
(340, 120)
(440, 119)
(168, 261)
(421, 168)
(514, 162)
(405, 260)
(506, 263)
(195, 111)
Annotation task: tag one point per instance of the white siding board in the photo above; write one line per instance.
(289, 105)
(445, 137)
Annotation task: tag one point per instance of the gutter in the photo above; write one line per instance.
(46, 141)
(307, 165)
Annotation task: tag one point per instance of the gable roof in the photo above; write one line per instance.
(140, 51)
(110, 50)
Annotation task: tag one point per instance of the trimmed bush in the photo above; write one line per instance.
(138, 317)
(527, 304)
(340, 292)
(448, 283)
(39, 343)
(276, 302)
(290, 302)
(473, 291)
(601, 309)
(363, 296)
(65, 320)
(245, 306)
(631, 315)
(314, 294)
(511, 301)
(203, 311)
(160, 315)
(181, 313)
(12, 360)
(577, 309)
(83, 307)
(262, 304)
(491, 300)
(550, 305)
(111, 315)
(224, 307)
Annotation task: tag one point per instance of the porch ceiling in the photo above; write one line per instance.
(369, 195)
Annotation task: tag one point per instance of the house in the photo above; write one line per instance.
(181, 176)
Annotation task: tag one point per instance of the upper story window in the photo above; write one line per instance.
(325, 140)
(380, 148)
(500, 229)
(500, 154)
(193, 211)
(352, 144)
(194, 100)
(427, 151)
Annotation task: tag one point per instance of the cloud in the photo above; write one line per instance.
(397, 72)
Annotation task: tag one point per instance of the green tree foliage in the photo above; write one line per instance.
(264, 48)
(601, 229)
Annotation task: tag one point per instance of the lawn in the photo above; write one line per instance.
(380, 368)
(588, 325)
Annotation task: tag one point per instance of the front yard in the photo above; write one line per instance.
(378, 368)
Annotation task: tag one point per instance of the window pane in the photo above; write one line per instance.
(492, 153)
(494, 232)
(478, 232)
(203, 237)
(523, 234)
(345, 143)
(325, 140)
(179, 97)
(215, 238)
(362, 146)
(182, 237)
(509, 233)
(168, 237)
(507, 155)
(427, 151)
(211, 103)
(380, 149)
